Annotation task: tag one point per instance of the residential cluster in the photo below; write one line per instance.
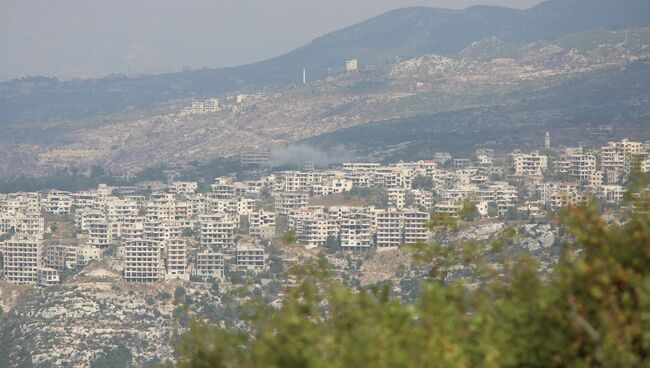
(172, 230)
(211, 105)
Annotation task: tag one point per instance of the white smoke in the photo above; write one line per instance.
(296, 154)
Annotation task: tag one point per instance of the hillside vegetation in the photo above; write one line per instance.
(591, 311)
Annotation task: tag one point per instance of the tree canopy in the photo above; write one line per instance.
(592, 309)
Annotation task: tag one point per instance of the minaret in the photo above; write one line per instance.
(547, 141)
(304, 76)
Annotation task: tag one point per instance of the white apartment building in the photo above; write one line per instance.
(529, 164)
(85, 217)
(501, 193)
(132, 227)
(612, 193)
(183, 187)
(30, 224)
(47, 276)
(420, 198)
(143, 261)
(176, 257)
(57, 203)
(396, 197)
(100, 234)
(389, 226)
(60, 257)
(415, 227)
(316, 230)
(582, 166)
(209, 264)
(216, 231)
(617, 155)
(86, 254)
(262, 224)
(85, 199)
(351, 65)
(356, 231)
(560, 194)
(332, 185)
(259, 158)
(22, 258)
(287, 201)
(250, 258)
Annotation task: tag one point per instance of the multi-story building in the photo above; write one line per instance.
(287, 201)
(356, 231)
(57, 203)
(143, 261)
(582, 166)
(530, 164)
(388, 224)
(351, 65)
(183, 187)
(216, 230)
(262, 224)
(60, 257)
(250, 258)
(259, 158)
(209, 264)
(100, 234)
(30, 224)
(176, 257)
(47, 276)
(22, 258)
(415, 227)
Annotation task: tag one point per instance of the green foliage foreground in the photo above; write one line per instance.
(592, 310)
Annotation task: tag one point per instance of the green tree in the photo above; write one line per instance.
(592, 310)
(422, 182)
(289, 237)
(118, 357)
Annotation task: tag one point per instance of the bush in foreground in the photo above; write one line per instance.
(592, 310)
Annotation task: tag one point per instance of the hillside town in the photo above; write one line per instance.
(178, 230)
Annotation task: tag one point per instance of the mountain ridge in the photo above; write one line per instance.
(402, 33)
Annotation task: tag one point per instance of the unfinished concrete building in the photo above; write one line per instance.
(22, 258)
(143, 261)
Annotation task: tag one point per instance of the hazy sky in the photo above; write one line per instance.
(75, 38)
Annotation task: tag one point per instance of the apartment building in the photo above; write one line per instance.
(176, 259)
(351, 65)
(143, 261)
(560, 194)
(618, 154)
(85, 199)
(259, 158)
(389, 228)
(356, 231)
(612, 193)
(184, 188)
(30, 224)
(529, 164)
(57, 203)
(262, 224)
(415, 226)
(287, 201)
(209, 264)
(60, 257)
(250, 257)
(216, 231)
(22, 258)
(47, 277)
(100, 234)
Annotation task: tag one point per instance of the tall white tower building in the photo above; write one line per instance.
(547, 141)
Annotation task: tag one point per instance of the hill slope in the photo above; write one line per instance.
(401, 33)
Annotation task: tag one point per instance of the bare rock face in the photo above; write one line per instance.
(73, 324)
